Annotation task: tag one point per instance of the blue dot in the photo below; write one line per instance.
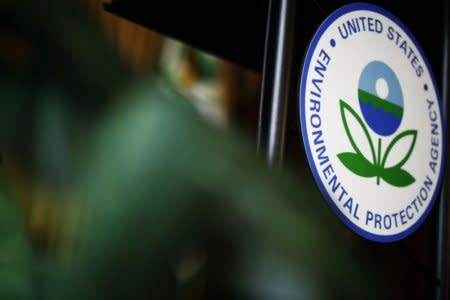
(425, 87)
(332, 42)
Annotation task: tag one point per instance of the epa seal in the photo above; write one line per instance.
(371, 122)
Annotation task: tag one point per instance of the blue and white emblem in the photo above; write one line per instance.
(371, 121)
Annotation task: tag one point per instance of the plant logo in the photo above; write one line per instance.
(381, 103)
(371, 122)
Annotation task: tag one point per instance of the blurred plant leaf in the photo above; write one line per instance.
(157, 175)
(15, 264)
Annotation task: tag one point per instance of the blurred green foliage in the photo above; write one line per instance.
(15, 256)
(155, 187)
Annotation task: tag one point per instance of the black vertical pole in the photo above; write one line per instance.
(441, 291)
(276, 78)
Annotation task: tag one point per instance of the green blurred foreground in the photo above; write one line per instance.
(148, 200)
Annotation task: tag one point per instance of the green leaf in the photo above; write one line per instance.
(397, 177)
(346, 111)
(358, 164)
(394, 142)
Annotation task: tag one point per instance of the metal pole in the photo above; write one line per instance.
(441, 267)
(276, 80)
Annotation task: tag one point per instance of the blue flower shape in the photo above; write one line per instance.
(380, 98)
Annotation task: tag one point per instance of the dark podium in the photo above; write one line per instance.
(271, 37)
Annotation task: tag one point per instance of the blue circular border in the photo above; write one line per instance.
(312, 46)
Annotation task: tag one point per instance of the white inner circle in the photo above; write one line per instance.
(382, 88)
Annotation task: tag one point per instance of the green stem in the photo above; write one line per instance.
(379, 160)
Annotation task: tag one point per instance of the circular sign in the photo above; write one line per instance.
(371, 122)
